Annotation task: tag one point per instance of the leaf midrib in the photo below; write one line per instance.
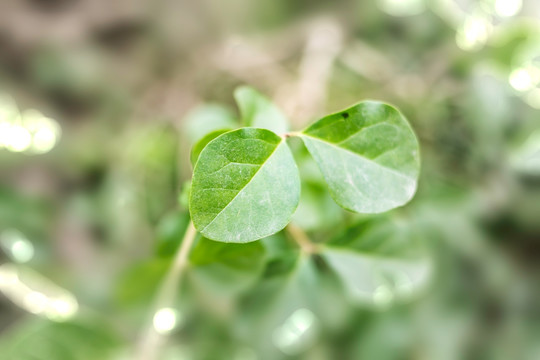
(242, 189)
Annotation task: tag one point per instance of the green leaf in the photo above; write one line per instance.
(207, 118)
(258, 111)
(526, 158)
(245, 186)
(138, 284)
(286, 310)
(368, 155)
(237, 256)
(169, 233)
(201, 144)
(317, 210)
(379, 261)
(277, 315)
(220, 271)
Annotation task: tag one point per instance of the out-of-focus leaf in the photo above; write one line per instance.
(75, 74)
(259, 112)
(207, 118)
(150, 160)
(201, 144)
(369, 156)
(36, 213)
(183, 197)
(138, 285)
(45, 340)
(219, 270)
(316, 210)
(526, 159)
(386, 337)
(278, 245)
(170, 232)
(245, 186)
(237, 256)
(379, 261)
(509, 40)
(277, 314)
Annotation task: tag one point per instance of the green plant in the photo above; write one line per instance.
(246, 186)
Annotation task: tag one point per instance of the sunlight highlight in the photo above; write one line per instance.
(402, 7)
(508, 8)
(474, 33)
(526, 158)
(36, 294)
(16, 246)
(45, 131)
(524, 79)
(293, 336)
(30, 131)
(383, 296)
(17, 139)
(532, 98)
(165, 320)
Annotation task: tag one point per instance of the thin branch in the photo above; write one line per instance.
(292, 134)
(152, 341)
(301, 238)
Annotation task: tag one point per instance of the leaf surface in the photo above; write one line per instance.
(368, 155)
(245, 186)
(258, 111)
(207, 118)
(379, 261)
(201, 144)
(220, 271)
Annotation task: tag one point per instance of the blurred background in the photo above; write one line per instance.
(100, 102)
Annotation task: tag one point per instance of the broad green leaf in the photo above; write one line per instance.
(379, 261)
(207, 118)
(368, 155)
(245, 186)
(258, 111)
(201, 144)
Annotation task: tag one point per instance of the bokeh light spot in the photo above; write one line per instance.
(508, 8)
(522, 79)
(402, 7)
(17, 246)
(474, 33)
(292, 337)
(165, 320)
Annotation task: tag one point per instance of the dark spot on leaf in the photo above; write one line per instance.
(345, 115)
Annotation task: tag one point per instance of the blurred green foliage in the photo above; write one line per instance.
(133, 87)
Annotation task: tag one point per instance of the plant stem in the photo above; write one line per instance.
(151, 341)
(301, 238)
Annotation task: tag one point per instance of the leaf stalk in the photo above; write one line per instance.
(301, 238)
(151, 340)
